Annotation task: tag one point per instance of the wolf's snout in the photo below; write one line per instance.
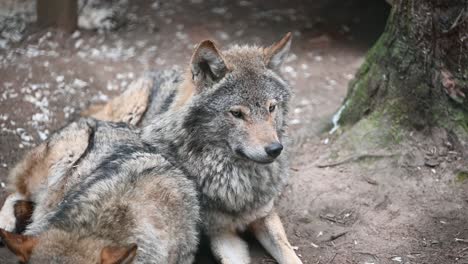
(274, 150)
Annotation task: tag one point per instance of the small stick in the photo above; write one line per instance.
(354, 158)
(335, 237)
(461, 240)
(331, 260)
(331, 219)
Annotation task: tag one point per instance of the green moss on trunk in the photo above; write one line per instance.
(402, 77)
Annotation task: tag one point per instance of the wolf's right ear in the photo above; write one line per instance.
(277, 53)
(118, 254)
(207, 65)
(21, 245)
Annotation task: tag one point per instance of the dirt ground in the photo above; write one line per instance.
(384, 210)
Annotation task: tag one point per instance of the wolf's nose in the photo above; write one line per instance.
(273, 150)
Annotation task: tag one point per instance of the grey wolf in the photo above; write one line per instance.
(225, 127)
(102, 196)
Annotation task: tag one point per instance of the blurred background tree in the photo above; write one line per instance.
(60, 13)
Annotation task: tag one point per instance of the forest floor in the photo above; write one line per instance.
(404, 209)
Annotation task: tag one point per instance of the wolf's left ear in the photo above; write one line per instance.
(277, 53)
(21, 245)
(207, 64)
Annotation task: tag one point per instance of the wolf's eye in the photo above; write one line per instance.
(272, 108)
(236, 113)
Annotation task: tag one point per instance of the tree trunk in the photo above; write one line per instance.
(416, 75)
(60, 13)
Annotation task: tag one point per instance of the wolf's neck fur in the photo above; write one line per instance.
(226, 182)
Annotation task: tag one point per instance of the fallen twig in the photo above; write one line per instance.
(335, 237)
(368, 254)
(333, 258)
(461, 240)
(463, 250)
(354, 158)
(457, 21)
(329, 218)
(370, 181)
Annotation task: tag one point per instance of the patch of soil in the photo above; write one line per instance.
(366, 211)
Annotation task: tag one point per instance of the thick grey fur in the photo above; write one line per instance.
(204, 142)
(121, 191)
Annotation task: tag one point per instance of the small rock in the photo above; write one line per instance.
(295, 122)
(78, 43)
(76, 34)
(79, 83)
(219, 10)
(432, 162)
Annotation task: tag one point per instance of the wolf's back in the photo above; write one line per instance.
(163, 93)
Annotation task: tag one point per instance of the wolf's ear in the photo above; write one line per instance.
(207, 64)
(21, 245)
(118, 254)
(277, 53)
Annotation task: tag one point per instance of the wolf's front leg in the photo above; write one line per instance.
(229, 248)
(270, 233)
(7, 214)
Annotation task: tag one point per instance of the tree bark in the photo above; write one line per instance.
(416, 75)
(60, 13)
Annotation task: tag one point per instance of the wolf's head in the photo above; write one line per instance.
(240, 99)
(55, 246)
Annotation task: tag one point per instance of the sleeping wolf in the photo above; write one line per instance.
(102, 196)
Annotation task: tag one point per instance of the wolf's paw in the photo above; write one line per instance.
(7, 222)
(294, 260)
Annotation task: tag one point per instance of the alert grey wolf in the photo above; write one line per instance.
(102, 196)
(226, 130)
(224, 126)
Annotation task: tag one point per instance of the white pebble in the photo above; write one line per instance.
(295, 122)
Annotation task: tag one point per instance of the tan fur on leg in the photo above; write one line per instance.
(270, 233)
(128, 107)
(229, 248)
